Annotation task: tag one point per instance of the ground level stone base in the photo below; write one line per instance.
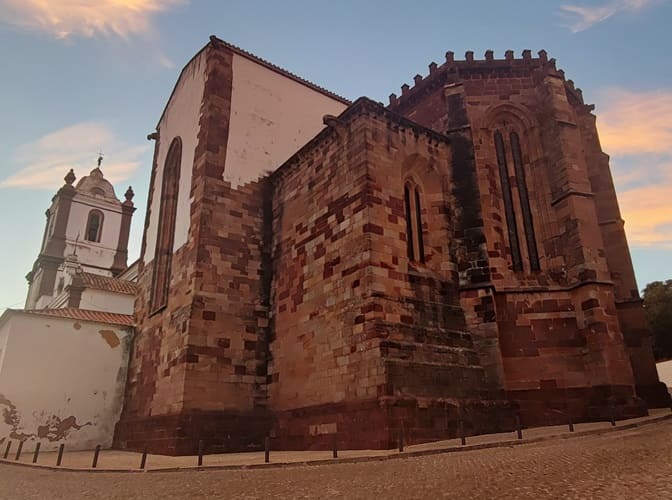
(551, 406)
(377, 424)
(655, 395)
(180, 434)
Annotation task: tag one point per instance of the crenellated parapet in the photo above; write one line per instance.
(453, 70)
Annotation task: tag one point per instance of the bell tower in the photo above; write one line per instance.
(87, 223)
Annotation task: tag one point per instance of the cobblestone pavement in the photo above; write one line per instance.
(631, 464)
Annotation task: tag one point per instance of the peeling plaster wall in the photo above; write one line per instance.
(61, 381)
(272, 117)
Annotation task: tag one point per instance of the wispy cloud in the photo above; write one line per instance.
(636, 129)
(86, 18)
(44, 162)
(582, 17)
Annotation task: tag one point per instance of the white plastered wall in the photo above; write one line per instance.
(63, 380)
(180, 119)
(100, 300)
(665, 372)
(272, 117)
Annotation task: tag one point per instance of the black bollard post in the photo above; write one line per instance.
(571, 424)
(463, 439)
(36, 452)
(9, 445)
(612, 415)
(401, 440)
(519, 429)
(267, 449)
(200, 453)
(59, 459)
(18, 451)
(143, 460)
(334, 450)
(96, 452)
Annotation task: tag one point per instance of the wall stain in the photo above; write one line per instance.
(110, 337)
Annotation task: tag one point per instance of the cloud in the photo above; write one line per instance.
(85, 18)
(636, 129)
(44, 163)
(580, 18)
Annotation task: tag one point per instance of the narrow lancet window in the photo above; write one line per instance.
(418, 218)
(409, 224)
(508, 205)
(163, 253)
(524, 203)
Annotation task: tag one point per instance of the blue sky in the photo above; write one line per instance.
(79, 75)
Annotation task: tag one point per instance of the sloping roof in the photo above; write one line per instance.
(82, 315)
(107, 283)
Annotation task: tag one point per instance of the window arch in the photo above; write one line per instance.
(165, 237)
(94, 226)
(415, 245)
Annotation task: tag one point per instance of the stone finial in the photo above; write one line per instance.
(450, 56)
(561, 73)
(508, 55)
(417, 79)
(469, 55)
(129, 194)
(527, 55)
(570, 83)
(404, 89)
(489, 55)
(543, 55)
(70, 177)
(393, 99)
(432, 67)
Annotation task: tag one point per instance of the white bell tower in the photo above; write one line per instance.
(86, 223)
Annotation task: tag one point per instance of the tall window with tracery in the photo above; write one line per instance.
(415, 246)
(523, 198)
(165, 237)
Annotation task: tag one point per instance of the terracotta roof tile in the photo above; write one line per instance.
(84, 315)
(107, 283)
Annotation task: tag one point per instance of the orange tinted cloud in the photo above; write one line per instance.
(636, 130)
(87, 18)
(44, 163)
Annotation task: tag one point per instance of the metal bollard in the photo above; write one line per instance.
(463, 438)
(9, 445)
(200, 453)
(143, 460)
(18, 451)
(59, 459)
(96, 452)
(612, 415)
(334, 450)
(571, 424)
(401, 440)
(36, 452)
(267, 449)
(519, 429)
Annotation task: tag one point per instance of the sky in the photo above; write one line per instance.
(79, 76)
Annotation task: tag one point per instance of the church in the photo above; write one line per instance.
(314, 269)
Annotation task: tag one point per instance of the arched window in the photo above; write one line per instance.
(165, 237)
(94, 226)
(415, 246)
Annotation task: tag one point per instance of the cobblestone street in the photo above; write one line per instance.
(632, 464)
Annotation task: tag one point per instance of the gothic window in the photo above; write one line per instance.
(163, 252)
(523, 197)
(415, 247)
(94, 226)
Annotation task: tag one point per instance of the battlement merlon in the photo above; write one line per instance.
(457, 68)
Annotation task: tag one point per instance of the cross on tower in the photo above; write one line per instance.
(100, 158)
